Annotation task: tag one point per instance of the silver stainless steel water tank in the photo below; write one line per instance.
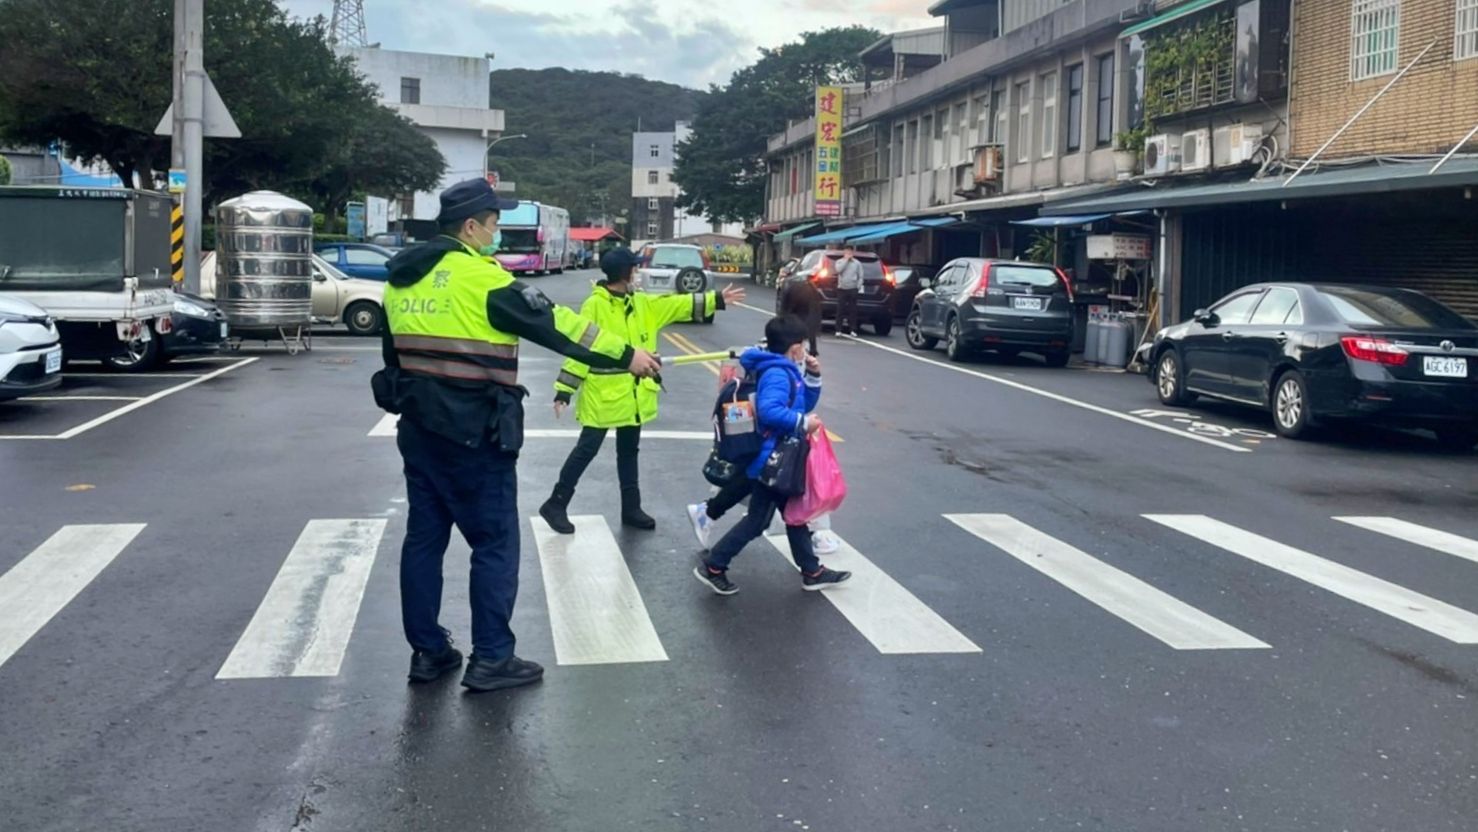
(264, 245)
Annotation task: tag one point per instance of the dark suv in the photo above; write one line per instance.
(874, 301)
(975, 304)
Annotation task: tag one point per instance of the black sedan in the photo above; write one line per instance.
(908, 281)
(1311, 353)
(196, 327)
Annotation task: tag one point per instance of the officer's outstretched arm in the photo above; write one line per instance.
(524, 311)
(668, 309)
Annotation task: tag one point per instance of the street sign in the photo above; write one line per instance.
(377, 215)
(217, 124)
(176, 180)
(1119, 247)
(506, 187)
(354, 213)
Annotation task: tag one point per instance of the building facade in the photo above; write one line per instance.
(446, 97)
(655, 215)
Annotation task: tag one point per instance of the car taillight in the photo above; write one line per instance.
(1377, 350)
(888, 277)
(823, 271)
(982, 284)
(1066, 284)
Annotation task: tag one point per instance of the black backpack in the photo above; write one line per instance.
(736, 434)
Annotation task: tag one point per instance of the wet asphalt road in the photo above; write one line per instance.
(775, 709)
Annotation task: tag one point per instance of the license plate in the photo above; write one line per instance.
(53, 362)
(225, 330)
(1443, 367)
(1033, 304)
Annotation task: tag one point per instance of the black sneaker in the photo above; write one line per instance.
(824, 579)
(485, 675)
(428, 666)
(717, 581)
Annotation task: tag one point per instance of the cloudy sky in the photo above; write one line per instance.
(681, 41)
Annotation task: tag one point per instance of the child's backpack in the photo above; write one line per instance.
(736, 434)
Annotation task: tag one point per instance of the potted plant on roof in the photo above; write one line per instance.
(1128, 148)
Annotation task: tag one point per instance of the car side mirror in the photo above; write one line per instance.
(926, 282)
(319, 276)
(1206, 318)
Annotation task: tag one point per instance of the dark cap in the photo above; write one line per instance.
(470, 198)
(617, 261)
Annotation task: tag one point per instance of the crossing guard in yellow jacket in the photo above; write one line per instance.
(605, 400)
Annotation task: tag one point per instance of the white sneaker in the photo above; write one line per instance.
(825, 543)
(702, 523)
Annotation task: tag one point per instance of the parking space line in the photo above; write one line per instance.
(1058, 397)
(148, 400)
(132, 376)
(79, 398)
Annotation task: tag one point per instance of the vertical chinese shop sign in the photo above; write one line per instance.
(828, 151)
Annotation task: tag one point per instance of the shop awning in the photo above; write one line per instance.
(1174, 14)
(787, 234)
(1061, 222)
(1394, 177)
(905, 227)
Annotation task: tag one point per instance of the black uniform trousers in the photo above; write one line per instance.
(628, 445)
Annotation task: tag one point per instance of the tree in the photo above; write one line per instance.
(96, 75)
(721, 168)
(383, 154)
(4, 171)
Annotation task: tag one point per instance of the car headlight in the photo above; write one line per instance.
(194, 310)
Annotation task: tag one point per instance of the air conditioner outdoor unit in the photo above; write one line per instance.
(1162, 154)
(1221, 146)
(987, 164)
(1195, 150)
(1245, 142)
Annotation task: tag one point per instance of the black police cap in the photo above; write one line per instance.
(470, 198)
(616, 262)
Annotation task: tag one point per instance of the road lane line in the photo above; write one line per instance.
(1446, 542)
(47, 579)
(1026, 388)
(688, 347)
(1397, 601)
(893, 619)
(148, 400)
(131, 376)
(302, 626)
(595, 609)
(1159, 614)
(79, 398)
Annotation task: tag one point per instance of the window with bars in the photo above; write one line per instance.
(652, 229)
(1375, 30)
(862, 157)
(1465, 38)
(1049, 115)
(410, 90)
(653, 204)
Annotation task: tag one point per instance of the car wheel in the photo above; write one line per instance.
(1057, 359)
(1457, 438)
(1170, 380)
(137, 356)
(691, 280)
(364, 318)
(882, 325)
(954, 344)
(1291, 417)
(913, 332)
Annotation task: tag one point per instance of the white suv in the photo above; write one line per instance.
(675, 268)
(30, 349)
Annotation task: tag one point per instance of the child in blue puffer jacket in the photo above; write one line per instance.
(784, 400)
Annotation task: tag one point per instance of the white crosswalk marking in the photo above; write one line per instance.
(886, 614)
(386, 427)
(303, 625)
(595, 609)
(47, 579)
(1420, 535)
(1166, 618)
(1394, 600)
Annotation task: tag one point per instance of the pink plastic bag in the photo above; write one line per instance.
(826, 488)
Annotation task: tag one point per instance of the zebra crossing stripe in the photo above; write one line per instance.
(303, 624)
(1397, 601)
(1441, 541)
(47, 579)
(893, 619)
(387, 427)
(1163, 616)
(595, 609)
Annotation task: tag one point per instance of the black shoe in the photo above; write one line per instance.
(554, 510)
(485, 675)
(427, 666)
(824, 579)
(631, 513)
(717, 581)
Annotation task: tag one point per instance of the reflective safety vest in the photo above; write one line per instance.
(439, 324)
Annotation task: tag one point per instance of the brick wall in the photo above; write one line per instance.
(1427, 111)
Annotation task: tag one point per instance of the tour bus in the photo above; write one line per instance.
(536, 239)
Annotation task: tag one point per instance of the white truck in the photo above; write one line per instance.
(96, 259)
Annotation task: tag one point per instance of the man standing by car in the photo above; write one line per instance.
(849, 284)
(454, 319)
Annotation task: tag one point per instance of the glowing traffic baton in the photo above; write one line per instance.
(700, 358)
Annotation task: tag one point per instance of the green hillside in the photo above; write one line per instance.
(579, 126)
